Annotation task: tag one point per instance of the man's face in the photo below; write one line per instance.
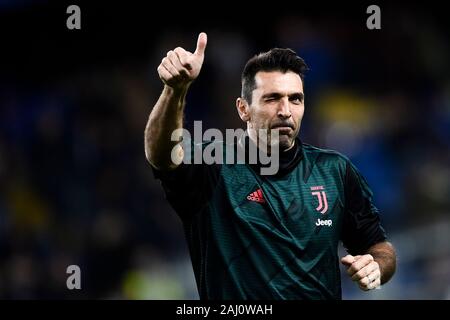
(278, 104)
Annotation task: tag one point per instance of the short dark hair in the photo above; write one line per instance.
(276, 59)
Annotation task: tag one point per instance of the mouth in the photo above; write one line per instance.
(283, 129)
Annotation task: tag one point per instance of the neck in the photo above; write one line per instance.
(287, 159)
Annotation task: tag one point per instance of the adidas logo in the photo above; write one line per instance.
(256, 196)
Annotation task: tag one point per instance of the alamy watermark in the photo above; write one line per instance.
(74, 280)
(74, 20)
(263, 151)
(374, 20)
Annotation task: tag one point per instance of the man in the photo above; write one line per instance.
(252, 236)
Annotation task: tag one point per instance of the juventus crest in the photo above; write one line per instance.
(319, 192)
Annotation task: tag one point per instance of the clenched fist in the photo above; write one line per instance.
(180, 67)
(363, 270)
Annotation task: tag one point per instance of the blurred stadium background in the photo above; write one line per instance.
(75, 187)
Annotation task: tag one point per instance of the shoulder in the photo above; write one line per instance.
(324, 156)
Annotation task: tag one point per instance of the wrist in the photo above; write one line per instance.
(177, 91)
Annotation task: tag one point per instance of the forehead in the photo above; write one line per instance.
(278, 81)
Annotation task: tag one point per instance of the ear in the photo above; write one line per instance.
(243, 109)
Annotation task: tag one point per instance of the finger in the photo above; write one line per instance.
(359, 264)
(363, 286)
(373, 284)
(168, 75)
(348, 260)
(183, 55)
(364, 272)
(364, 282)
(371, 281)
(376, 284)
(163, 73)
(201, 44)
(375, 275)
(168, 65)
(175, 61)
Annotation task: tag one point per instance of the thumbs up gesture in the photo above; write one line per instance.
(180, 67)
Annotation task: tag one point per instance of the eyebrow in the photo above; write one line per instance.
(296, 95)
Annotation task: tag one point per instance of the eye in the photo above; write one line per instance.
(296, 100)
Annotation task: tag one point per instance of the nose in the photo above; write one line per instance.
(284, 110)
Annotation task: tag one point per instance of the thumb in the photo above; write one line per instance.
(348, 260)
(201, 44)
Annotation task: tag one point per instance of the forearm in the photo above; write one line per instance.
(384, 254)
(177, 71)
(166, 116)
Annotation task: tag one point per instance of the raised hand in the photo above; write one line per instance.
(180, 67)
